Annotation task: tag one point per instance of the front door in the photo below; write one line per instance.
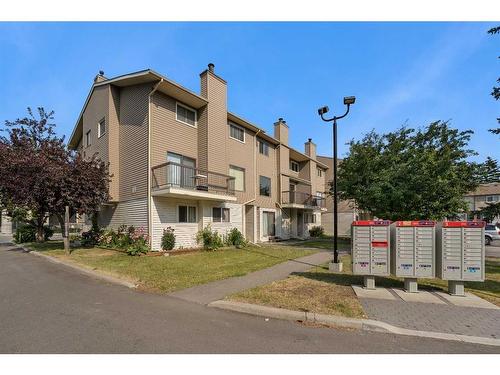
(268, 224)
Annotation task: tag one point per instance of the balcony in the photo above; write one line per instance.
(297, 199)
(180, 181)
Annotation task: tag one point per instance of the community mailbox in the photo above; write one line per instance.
(460, 253)
(370, 249)
(413, 251)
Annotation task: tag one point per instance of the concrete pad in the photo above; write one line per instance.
(378, 293)
(421, 296)
(470, 300)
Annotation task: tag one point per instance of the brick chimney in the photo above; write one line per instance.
(281, 131)
(310, 149)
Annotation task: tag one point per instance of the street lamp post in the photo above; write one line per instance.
(348, 100)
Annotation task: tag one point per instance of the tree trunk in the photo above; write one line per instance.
(64, 233)
(40, 234)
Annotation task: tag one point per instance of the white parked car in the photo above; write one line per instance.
(491, 233)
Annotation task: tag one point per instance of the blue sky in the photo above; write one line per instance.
(410, 73)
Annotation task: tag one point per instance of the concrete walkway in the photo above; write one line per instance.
(206, 293)
(437, 312)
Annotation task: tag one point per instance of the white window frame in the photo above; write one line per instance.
(99, 130)
(187, 213)
(244, 176)
(177, 104)
(221, 214)
(239, 127)
(319, 172)
(88, 138)
(292, 162)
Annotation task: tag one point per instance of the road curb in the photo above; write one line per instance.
(86, 271)
(337, 321)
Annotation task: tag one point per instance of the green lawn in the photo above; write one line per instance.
(166, 274)
(323, 243)
(320, 291)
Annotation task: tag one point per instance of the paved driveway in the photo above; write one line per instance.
(47, 308)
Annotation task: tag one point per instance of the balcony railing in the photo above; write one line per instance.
(176, 175)
(300, 198)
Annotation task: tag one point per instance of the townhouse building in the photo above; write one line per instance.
(484, 194)
(182, 160)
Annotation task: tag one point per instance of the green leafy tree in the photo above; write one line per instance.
(411, 174)
(496, 90)
(39, 176)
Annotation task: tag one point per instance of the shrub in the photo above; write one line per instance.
(235, 238)
(90, 238)
(211, 240)
(74, 237)
(27, 233)
(108, 238)
(168, 239)
(316, 231)
(139, 241)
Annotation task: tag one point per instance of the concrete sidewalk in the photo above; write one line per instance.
(432, 311)
(206, 293)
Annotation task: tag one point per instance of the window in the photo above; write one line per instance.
(263, 148)
(186, 115)
(187, 214)
(239, 177)
(220, 215)
(101, 128)
(181, 171)
(492, 198)
(309, 218)
(294, 166)
(320, 172)
(88, 138)
(236, 132)
(265, 186)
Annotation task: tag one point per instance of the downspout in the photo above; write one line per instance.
(150, 211)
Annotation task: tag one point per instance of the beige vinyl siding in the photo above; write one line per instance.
(203, 127)
(97, 109)
(113, 129)
(250, 223)
(168, 134)
(133, 212)
(267, 169)
(242, 156)
(133, 147)
(215, 90)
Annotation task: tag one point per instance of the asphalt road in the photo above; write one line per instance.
(48, 308)
(493, 250)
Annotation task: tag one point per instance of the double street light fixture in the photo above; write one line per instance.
(348, 100)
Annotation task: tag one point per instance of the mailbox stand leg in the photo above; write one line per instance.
(456, 288)
(411, 285)
(369, 282)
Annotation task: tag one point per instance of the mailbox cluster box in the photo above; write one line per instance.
(413, 249)
(370, 247)
(460, 250)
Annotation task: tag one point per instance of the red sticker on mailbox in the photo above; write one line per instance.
(379, 244)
